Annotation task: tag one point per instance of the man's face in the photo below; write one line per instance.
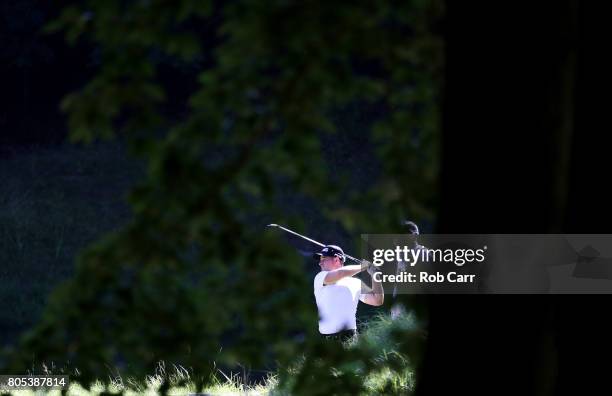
(329, 263)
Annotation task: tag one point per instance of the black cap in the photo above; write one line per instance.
(331, 251)
(411, 226)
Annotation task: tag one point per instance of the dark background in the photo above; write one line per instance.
(505, 95)
(502, 171)
(37, 71)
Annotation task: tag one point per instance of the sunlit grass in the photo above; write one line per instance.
(178, 377)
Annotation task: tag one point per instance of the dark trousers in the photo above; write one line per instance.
(343, 335)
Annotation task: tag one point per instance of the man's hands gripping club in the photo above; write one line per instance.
(368, 266)
(336, 274)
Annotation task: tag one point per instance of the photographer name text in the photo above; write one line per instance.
(424, 277)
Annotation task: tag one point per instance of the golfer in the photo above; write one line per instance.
(337, 293)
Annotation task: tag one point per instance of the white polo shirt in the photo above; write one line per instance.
(337, 303)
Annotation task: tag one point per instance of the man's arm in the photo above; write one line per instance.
(372, 296)
(342, 272)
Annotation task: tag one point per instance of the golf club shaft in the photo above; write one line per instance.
(310, 240)
(295, 233)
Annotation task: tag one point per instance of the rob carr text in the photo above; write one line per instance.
(425, 277)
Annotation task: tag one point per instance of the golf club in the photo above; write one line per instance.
(310, 240)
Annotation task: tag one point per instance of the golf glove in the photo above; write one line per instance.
(371, 268)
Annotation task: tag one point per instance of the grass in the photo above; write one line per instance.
(178, 378)
(375, 333)
(180, 384)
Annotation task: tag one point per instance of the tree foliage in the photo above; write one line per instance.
(194, 267)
